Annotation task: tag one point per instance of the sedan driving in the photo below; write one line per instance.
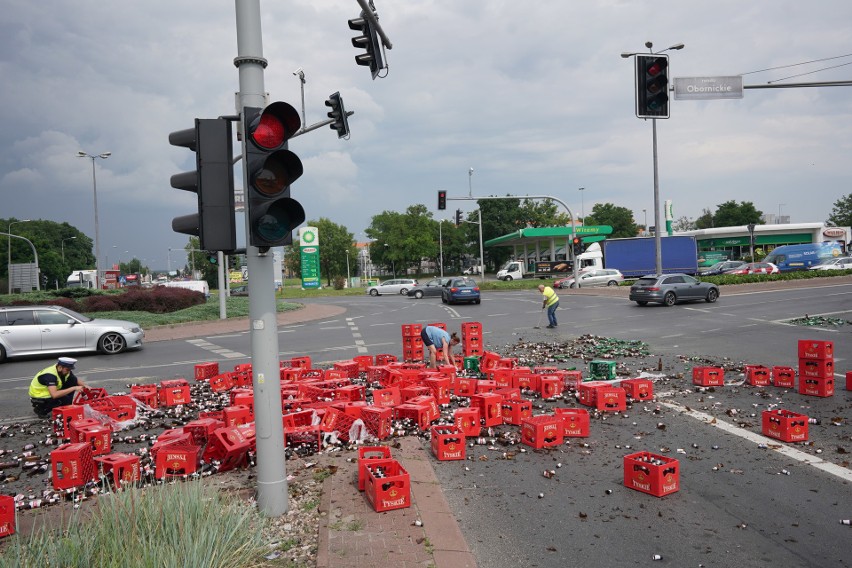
(721, 267)
(395, 286)
(669, 289)
(600, 277)
(755, 268)
(432, 288)
(460, 289)
(842, 263)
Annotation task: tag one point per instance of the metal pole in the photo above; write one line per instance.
(271, 468)
(223, 285)
(97, 227)
(658, 243)
(9, 252)
(441, 246)
(481, 254)
(582, 206)
(348, 278)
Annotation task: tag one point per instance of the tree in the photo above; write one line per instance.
(51, 240)
(619, 218)
(731, 214)
(683, 224)
(841, 213)
(705, 220)
(335, 243)
(402, 240)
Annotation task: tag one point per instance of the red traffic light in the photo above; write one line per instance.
(442, 199)
(657, 66)
(270, 129)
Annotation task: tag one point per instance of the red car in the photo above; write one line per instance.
(755, 268)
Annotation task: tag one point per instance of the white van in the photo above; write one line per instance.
(197, 285)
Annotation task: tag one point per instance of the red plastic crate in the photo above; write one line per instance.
(349, 368)
(98, 436)
(466, 421)
(89, 394)
(350, 393)
(638, 389)
(471, 329)
(816, 368)
(304, 362)
(785, 425)
(7, 515)
(289, 373)
(230, 446)
(204, 371)
(72, 465)
(242, 396)
(123, 468)
(611, 399)
(385, 358)
(418, 413)
(849, 380)
(146, 394)
(465, 386)
(515, 411)
(174, 393)
(544, 431)
(572, 379)
(363, 361)
(550, 386)
(575, 422)
(119, 408)
(388, 397)
(651, 473)
(200, 431)
(221, 383)
(526, 380)
(484, 386)
(489, 405)
(428, 401)
(448, 443)
(378, 421)
(237, 415)
(63, 416)
(813, 386)
(510, 393)
(365, 454)
(587, 392)
(488, 361)
(337, 421)
(176, 460)
(387, 486)
(708, 376)
(816, 349)
(411, 329)
(758, 375)
(440, 387)
(246, 367)
(784, 377)
(75, 427)
(413, 391)
(353, 408)
(502, 377)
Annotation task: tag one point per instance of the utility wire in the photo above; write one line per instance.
(810, 72)
(795, 64)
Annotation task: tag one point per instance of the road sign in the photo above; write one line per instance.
(704, 88)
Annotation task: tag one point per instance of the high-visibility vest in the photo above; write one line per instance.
(38, 390)
(550, 296)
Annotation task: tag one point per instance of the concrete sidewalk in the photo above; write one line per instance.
(351, 533)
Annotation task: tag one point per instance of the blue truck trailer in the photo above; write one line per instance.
(638, 256)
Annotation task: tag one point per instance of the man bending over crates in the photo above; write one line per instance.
(54, 386)
(435, 338)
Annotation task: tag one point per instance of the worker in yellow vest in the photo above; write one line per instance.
(551, 302)
(55, 386)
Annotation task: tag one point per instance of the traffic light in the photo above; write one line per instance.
(212, 180)
(212, 259)
(458, 217)
(368, 41)
(577, 246)
(652, 86)
(442, 200)
(270, 212)
(338, 113)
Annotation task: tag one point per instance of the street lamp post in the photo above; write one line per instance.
(102, 156)
(9, 252)
(582, 207)
(348, 279)
(658, 244)
(645, 212)
(63, 247)
(393, 264)
(780, 205)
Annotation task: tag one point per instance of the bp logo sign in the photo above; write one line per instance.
(309, 236)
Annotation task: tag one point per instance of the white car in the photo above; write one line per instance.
(54, 330)
(395, 286)
(842, 263)
(596, 277)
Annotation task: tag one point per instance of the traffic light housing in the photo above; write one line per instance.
(212, 180)
(338, 113)
(652, 86)
(442, 200)
(577, 246)
(270, 169)
(458, 217)
(368, 41)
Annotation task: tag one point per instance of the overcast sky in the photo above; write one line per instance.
(533, 95)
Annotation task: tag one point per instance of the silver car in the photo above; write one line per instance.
(395, 286)
(670, 289)
(51, 330)
(597, 277)
(842, 263)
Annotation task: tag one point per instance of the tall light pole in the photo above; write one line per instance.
(645, 212)
(582, 206)
(63, 247)
(780, 205)
(102, 156)
(658, 244)
(393, 264)
(9, 252)
(348, 279)
(470, 182)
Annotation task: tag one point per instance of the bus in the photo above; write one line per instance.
(802, 257)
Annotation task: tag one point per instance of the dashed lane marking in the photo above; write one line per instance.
(221, 351)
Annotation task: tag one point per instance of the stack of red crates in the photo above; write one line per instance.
(412, 345)
(471, 337)
(816, 367)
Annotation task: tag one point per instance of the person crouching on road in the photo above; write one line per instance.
(55, 386)
(551, 302)
(435, 338)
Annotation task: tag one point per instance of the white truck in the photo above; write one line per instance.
(82, 279)
(592, 258)
(196, 285)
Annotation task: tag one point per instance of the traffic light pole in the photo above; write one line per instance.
(557, 200)
(271, 468)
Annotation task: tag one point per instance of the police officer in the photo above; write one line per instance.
(55, 386)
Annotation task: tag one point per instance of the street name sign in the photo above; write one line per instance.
(704, 88)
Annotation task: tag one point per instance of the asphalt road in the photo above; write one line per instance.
(736, 505)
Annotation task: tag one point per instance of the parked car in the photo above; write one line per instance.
(596, 277)
(395, 286)
(471, 270)
(754, 268)
(721, 267)
(460, 289)
(51, 330)
(670, 289)
(239, 290)
(842, 263)
(432, 288)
